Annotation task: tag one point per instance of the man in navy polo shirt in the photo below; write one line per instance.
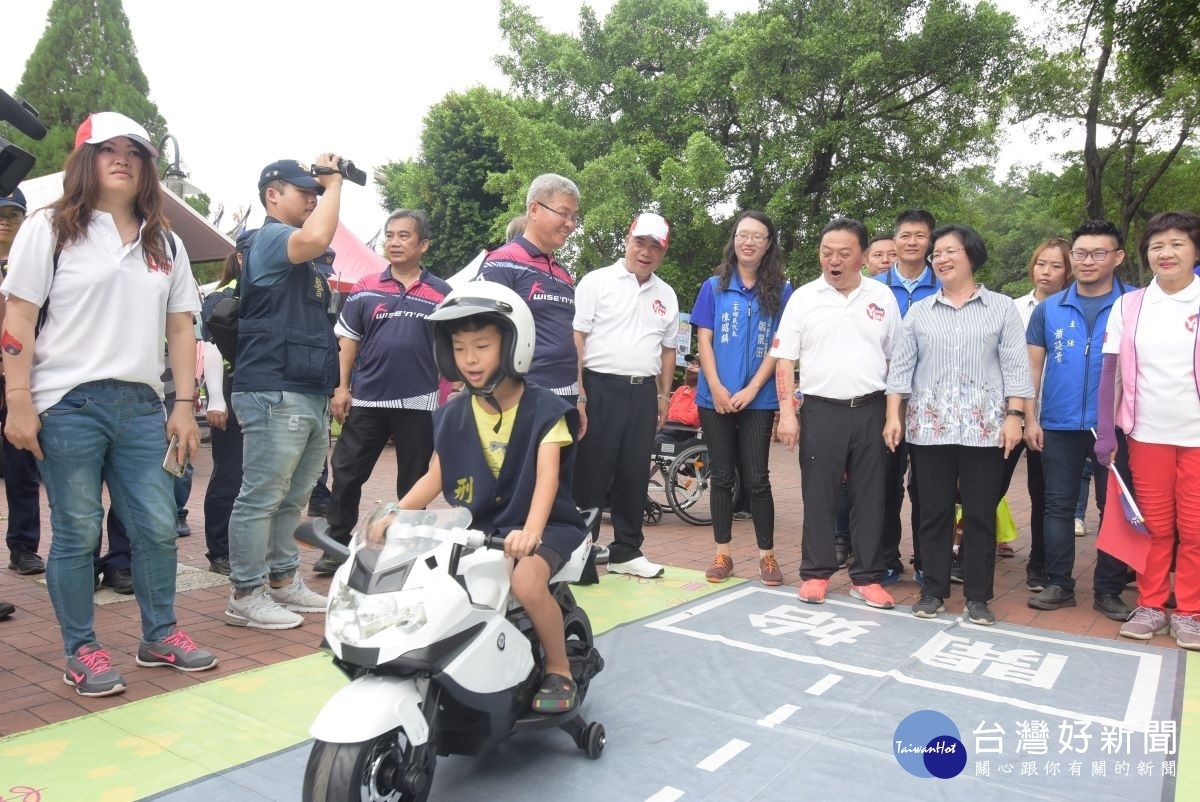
(395, 383)
(527, 266)
(286, 369)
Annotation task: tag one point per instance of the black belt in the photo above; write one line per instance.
(619, 378)
(857, 401)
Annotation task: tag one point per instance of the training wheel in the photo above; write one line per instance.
(594, 740)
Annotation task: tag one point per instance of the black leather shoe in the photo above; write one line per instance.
(119, 579)
(1051, 598)
(841, 549)
(1113, 606)
(6, 610)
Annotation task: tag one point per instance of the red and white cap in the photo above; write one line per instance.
(651, 225)
(105, 125)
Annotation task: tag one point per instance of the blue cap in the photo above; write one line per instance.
(17, 198)
(244, 239)
(293, 172)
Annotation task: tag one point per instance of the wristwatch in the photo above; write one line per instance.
(1016, 413)
(582, 399)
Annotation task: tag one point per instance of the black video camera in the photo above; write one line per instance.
(347, 170)
(16, 163)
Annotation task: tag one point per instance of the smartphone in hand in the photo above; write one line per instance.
(171, 463)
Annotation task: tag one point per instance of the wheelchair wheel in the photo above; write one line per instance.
(652, 512)
(687, 485)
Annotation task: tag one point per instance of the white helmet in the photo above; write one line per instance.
(495, 303)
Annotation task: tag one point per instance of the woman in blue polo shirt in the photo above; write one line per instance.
(736, 315)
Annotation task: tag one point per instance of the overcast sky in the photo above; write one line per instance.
(244, 83)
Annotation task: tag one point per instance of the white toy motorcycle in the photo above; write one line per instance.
(441, 659)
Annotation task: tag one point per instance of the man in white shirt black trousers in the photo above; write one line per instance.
(840, 330)
(626, 320)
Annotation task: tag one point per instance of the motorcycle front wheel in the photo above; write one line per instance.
(386, 768)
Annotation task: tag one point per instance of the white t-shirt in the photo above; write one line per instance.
(1168, 409)
(1025, 306)
(107, 315)
(842, 343)
(627, 324)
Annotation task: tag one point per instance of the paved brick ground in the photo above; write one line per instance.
(32, 692)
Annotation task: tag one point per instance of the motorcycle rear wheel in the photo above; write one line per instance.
(386, 768)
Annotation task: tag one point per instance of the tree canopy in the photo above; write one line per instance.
(810, 109)
(86, 61)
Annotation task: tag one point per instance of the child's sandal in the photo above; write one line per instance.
(557, 694)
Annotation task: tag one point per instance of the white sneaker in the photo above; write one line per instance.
(638, 566)
(298, 597)
(259, 611)
(1080, 527)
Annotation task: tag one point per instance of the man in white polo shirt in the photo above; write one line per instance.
(840, 329)
(626, 319)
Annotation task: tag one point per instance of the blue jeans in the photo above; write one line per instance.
(1063, 456)
(115, 432)
(285, 439)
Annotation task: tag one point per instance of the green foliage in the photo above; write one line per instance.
(447, 181)
(806, 109)
(85, 61)
(201, 203)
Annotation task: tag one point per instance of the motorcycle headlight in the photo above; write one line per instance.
(357, 617)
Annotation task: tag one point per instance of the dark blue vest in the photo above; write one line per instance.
(285, 336)
(499, 505)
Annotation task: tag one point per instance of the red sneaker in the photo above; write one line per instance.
(812, 591)
(874, 595)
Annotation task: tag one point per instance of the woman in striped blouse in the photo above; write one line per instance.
(963, 368)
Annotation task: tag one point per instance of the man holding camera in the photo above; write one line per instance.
(285, 372)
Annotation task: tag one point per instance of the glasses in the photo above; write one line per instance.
(755, 238)
(574, 218)
(949, 253)
(11, 214)
(1097, 255)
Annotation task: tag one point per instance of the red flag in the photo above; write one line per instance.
(1119, 535)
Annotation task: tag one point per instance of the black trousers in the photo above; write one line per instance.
(977, 473)
(364, 435)
(223, 485)
(23, 492)
(835, 441)
(1036, 484)
(740, 440)
(615, 454)
(895, 468)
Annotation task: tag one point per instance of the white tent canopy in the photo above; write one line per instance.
(203, 242)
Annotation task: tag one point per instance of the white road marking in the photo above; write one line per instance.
(819, 687)
(1137, 714)
(667, 794)
(781, 714)
(723, 755)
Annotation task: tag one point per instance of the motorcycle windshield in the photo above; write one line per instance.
(391, 538)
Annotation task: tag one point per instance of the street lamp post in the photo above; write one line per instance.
(173, 175)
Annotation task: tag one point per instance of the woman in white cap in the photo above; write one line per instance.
(96, 282)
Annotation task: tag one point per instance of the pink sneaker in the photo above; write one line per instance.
(812, 591)
(874, 595)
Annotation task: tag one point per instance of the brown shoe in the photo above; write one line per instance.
(721, 568)
(768, 571)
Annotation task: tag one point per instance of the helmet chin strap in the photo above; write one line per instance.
(487, 393)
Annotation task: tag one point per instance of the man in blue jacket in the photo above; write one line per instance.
(1065, 336)
(910, 280)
